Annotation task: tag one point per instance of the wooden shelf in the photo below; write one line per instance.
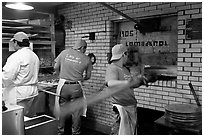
(40, 31)
(35, 32)
(14, 23)
(43, 48)
(26, 29)
(34, 42)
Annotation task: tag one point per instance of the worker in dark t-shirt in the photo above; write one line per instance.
(73, 67)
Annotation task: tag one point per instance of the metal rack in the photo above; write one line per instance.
(41, 34)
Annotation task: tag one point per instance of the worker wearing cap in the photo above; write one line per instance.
(73, 67)
(20, 74)
(124, 102)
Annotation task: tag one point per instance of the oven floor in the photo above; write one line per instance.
(87, 131)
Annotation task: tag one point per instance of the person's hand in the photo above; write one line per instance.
(55, 73)
(151, 77)
(144, 81)
(136, 81)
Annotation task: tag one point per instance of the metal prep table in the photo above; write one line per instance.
(13, 120)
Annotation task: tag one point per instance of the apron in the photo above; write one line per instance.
(85, 106)
(128, 121)
(57, 106)
(9, 94)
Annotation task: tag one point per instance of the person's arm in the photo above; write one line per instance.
(112, 79)
(56, 68)
(132, 83)
(57, 65)
(112, 83)
(10, 71)
(88, 71)
(137, 81)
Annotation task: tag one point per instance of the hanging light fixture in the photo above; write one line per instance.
(18, 6)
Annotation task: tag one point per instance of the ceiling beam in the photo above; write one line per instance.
(119, 12)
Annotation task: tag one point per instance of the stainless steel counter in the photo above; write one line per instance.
(13, 120)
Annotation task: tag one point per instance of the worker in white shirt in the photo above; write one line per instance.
(20, 74)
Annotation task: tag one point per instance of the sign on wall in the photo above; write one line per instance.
(157, 47)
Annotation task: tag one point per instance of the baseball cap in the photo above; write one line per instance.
(80, 43)
(19, 36)
(117, 51)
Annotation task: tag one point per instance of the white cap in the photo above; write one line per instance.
(117, 51)
(80, 43)
(20, 36)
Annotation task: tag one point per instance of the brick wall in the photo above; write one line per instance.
(93, 17)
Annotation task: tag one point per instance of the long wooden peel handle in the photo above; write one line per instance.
(194, 94)
(54, 94)
(81, 102)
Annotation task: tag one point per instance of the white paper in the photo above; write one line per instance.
(31, 45)
(11, 46)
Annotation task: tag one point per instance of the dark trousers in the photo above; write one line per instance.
(68, 125)
(72, 123)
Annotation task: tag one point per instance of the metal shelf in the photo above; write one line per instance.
(34, 42)
(40, 31)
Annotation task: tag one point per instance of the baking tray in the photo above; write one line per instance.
(193, 117)
(183, 108)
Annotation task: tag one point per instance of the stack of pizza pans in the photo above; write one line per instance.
(183, 115)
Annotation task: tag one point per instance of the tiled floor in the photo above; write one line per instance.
(87, 131)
